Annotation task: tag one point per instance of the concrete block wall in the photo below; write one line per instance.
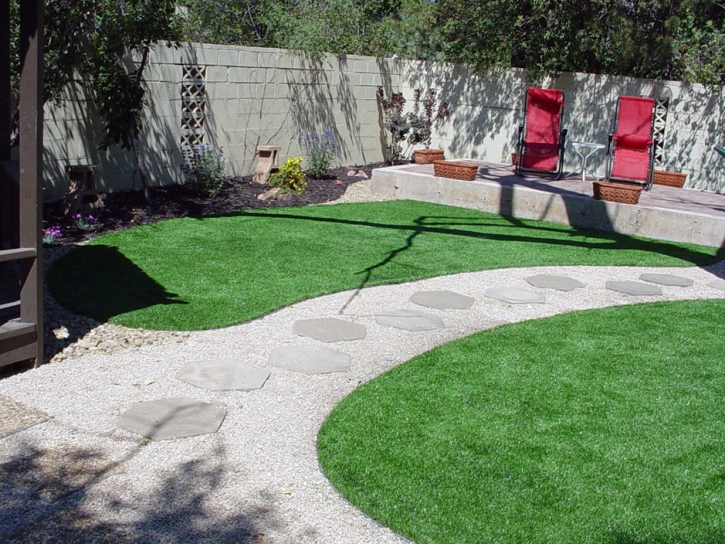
(261, 96)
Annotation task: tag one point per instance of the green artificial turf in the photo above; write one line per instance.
(200, 273)
(603, 426)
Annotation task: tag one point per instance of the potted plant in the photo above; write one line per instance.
(421, 120)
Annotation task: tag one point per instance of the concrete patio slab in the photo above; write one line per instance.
(223, 375)
(669, 280)
(310, 359)
(410, 320)
(663, 213)
(442, 300)
(561, 283)
(514, 295)
(167, 419)
(329, 329)
(634, 288)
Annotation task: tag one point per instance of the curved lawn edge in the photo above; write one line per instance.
(204, 273)
(520, 455)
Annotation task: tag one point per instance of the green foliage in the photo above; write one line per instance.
(600, 426)
(321, 149)
(290, 176)
(204, 167)
(199, 273)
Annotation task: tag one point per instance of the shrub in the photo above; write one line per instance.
(421, 119)
(204, 167)
(321, 151)
(290, 176)
(394, 121)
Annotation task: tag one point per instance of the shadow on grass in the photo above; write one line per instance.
(48, 495)
(125, 286)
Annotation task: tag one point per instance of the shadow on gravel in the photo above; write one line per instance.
(49, 496)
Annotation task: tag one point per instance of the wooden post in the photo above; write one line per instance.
(5, 111)
(31, 165)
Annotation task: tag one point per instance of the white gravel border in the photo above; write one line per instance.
(259, 475)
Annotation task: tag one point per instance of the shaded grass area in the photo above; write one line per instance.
(211, 272)
(603, 426)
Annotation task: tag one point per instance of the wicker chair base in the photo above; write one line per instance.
(455, 170)
(623, 193)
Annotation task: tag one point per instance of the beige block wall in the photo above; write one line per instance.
(275, 97)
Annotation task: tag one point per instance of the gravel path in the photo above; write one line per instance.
(80, 477)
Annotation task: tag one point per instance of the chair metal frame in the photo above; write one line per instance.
(639, 137)
(544, 99)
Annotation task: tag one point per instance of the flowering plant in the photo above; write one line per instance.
(204, 167)
(84, 223)
(290, 176)
(50, 234)
(321, 149)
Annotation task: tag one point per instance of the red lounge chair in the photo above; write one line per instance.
(540, 149)
(631, 146)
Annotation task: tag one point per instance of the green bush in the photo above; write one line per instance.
(204, 167)
(290, 176)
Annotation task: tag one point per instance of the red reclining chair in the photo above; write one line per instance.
(540, 149)
(631, 147)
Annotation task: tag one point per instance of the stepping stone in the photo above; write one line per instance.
(442, 300)
(310, 359)
(718, 284)
(633, 288)
(410, 320)
(667, 279)
(329, 329)
(514, 295)
(562, 283)
(223, 375)
(173, 418)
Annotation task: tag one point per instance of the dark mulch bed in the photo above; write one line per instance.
(126, 209)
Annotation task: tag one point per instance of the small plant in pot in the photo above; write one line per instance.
(422, 119)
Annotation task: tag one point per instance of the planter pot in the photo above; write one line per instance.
(671, 179)
(427, 156)
(624, 193)
(455, 170)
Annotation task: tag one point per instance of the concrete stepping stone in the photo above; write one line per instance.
(329, 329)
(514, 295)
(561, 283)
(223, 375)
(718, 284)
(634, 288)
(310, 359)
(173, 418)
(667, 279)
(410, 320)
(442, 300)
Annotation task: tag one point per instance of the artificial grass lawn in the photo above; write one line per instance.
(189, 274)
(603, 426)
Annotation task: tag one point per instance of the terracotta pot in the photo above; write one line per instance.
(671, 179)
(465, 171)
(427, 156)
(624, 193)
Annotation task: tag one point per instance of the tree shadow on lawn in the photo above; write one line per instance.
(47, 495)
(128, 287)
(448, 225)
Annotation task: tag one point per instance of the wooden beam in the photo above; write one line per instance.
(31, 164)
(5, 111)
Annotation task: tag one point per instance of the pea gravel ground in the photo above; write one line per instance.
(79, 477)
